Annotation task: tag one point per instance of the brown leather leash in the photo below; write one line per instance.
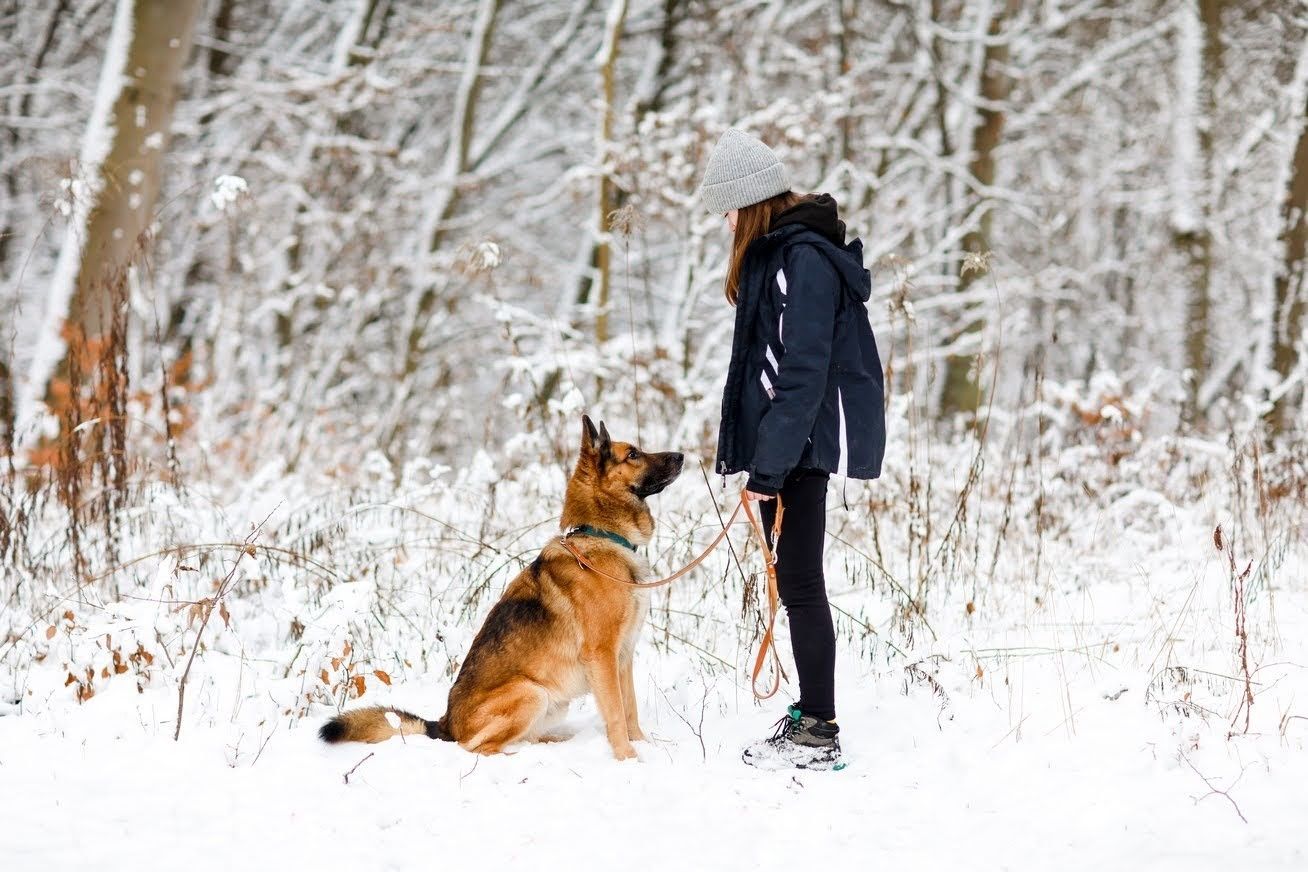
(768, 645)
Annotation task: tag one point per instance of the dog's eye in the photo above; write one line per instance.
(633, 454)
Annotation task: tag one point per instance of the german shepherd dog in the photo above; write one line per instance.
(560, 630)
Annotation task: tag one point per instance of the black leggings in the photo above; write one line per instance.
(803, 588)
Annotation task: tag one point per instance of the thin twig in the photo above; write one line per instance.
(722, 524)
(464, 775)
(263, 745)
(684, 641)
(347, 775)
(1212, 790)
(208, 613)
(871, 629)
(198, 546)
(698, 731)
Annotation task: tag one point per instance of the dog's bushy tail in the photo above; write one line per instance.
(379, 723)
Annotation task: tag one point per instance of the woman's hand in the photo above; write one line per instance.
(750, 495)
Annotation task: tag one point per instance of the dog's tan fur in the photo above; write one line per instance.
(559, 630)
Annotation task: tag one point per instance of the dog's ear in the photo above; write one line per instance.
(605, 443)
(590, 437)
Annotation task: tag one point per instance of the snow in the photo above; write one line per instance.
(482, 257)
(991, 788)
(1079, 719)
(228, 190)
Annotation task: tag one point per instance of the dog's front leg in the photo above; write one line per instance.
(634, 732)
(602, 673)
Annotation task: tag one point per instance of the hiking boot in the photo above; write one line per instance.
(799, 741)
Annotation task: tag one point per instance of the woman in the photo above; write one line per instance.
(803, 400)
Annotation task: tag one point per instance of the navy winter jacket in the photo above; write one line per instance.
(804, 387)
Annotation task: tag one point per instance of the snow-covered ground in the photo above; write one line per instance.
(1008, 782)
(1083, 715)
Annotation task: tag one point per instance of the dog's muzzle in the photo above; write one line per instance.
(663, 472)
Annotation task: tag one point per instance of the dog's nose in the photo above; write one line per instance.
(678, 457)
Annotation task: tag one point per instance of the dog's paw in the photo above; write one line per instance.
(625, 752)
(637, 735)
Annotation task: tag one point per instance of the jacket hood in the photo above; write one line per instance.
(818, 213)
(820, 217)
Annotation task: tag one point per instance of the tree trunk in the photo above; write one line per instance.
(841, 12)
(220, 60)
(124, 208)
(6, 411)
(121, 162)
(346, 53)
(608, 60)
(1199, 66)
(457, 157)
(1288, 322)
(962, 390)
(354, 35)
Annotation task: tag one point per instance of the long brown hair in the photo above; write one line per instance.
(751, 223)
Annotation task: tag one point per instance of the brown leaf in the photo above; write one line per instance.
(326, 679)
(104, 673)
(971, 607)
(68, 616)
(336, 663)
(71, 678)
(119, 668)
(1217, 537)
(382, 677)
(980, 673)
(50, 631)
(359, 685)
(345, 652)
(226, 615)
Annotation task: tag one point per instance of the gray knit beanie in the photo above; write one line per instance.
(741, 172)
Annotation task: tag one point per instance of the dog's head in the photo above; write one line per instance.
(620, 469)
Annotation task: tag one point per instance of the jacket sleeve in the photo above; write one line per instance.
(809, 324)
